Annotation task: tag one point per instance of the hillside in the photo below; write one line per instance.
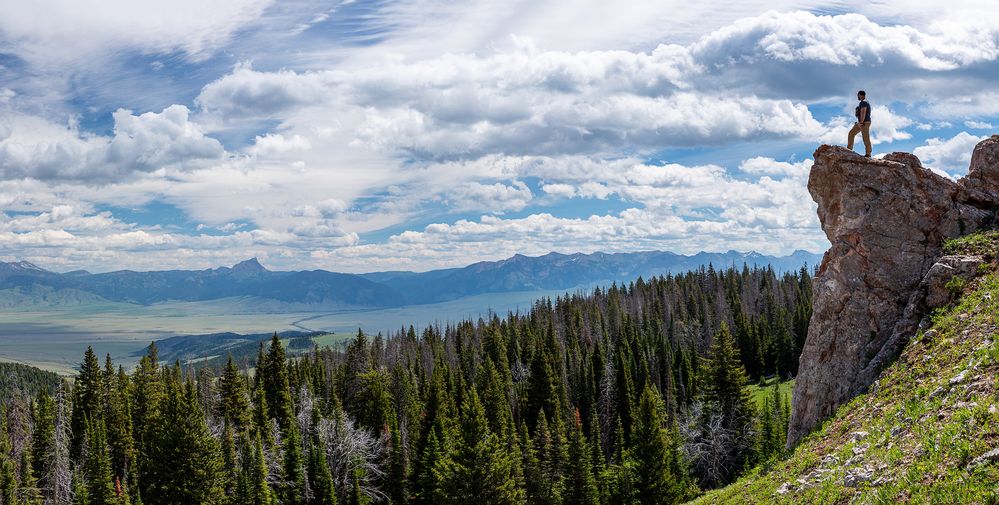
(18, 378)
(928, 430)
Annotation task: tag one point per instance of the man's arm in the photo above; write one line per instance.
(861, 114)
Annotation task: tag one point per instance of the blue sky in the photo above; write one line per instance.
(361, 136)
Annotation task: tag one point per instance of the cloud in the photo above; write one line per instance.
(276, 143)
(513, 103)
(886, 127)
(70, 33)
(978, 125)
(497, 198)
(767, 166)
(694, 122)
(951, 155)
(808, 56)
(40, 149)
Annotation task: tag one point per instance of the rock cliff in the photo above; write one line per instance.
(887, 220)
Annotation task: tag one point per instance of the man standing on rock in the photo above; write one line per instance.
(863, 124)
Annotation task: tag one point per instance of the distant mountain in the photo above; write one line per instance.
(248, 278)
(564, 271)
(22, 282)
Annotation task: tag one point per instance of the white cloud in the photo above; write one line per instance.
(886, 127)
(978, 125)
(951, 155)
(148, 142)
(767, 166)
(519, 102)
(275, 143)
(70, 33)
(497, 198)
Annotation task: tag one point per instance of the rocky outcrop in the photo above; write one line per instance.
(887, 220)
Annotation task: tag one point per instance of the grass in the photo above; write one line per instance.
(920, 428)
(331, 339)
(982, 244)
(759, 394)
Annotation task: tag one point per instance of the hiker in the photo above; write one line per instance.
(863, 124)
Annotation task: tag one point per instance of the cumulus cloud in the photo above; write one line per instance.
(808, 56)
(950, 155)
(767, 166)
(519, 102)
(151, 141)
(886, 127)
(496, 198)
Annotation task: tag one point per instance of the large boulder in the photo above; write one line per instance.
(887, 220)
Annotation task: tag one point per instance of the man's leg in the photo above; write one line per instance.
(867, 137)
(853, 134)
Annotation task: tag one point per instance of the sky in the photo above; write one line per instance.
(361, 136)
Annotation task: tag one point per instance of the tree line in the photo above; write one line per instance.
(633, 394)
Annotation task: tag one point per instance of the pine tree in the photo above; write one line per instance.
(581, 488)
(323, 491)
(255, 466)
(357, 496)
(397, 481)
(621, 473)
(424, 481)
(87, 398)
(43, 435)
(97, 464)
(235, 402)
(118, 418)
(725, 397)
(660, 479)
(294, 466)
(274, 376)
(184, 461)
(81, 495)
(477, 468)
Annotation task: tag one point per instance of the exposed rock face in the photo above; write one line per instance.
(887, 221)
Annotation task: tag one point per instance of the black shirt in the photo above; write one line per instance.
(863, 104)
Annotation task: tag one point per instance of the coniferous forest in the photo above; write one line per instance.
(627, 395)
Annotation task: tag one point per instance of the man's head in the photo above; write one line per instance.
(861, 95)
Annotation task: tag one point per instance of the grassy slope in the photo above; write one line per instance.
(918, 433)
(760, 394)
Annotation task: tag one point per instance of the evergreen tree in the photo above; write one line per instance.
(258, 491)
(323, 492)
(294, 466)
(477, 468)
(97, 465)
(274, 377)
(43, 435)
(727, 411)
(81, 495)
(235, 402)
(581, 488)
(660, 479)
(28, 492)
(424, 481)
(87, 398)
(183, 463)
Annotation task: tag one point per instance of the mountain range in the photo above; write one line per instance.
(377, 289)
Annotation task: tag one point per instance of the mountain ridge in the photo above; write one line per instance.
(385, 289)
